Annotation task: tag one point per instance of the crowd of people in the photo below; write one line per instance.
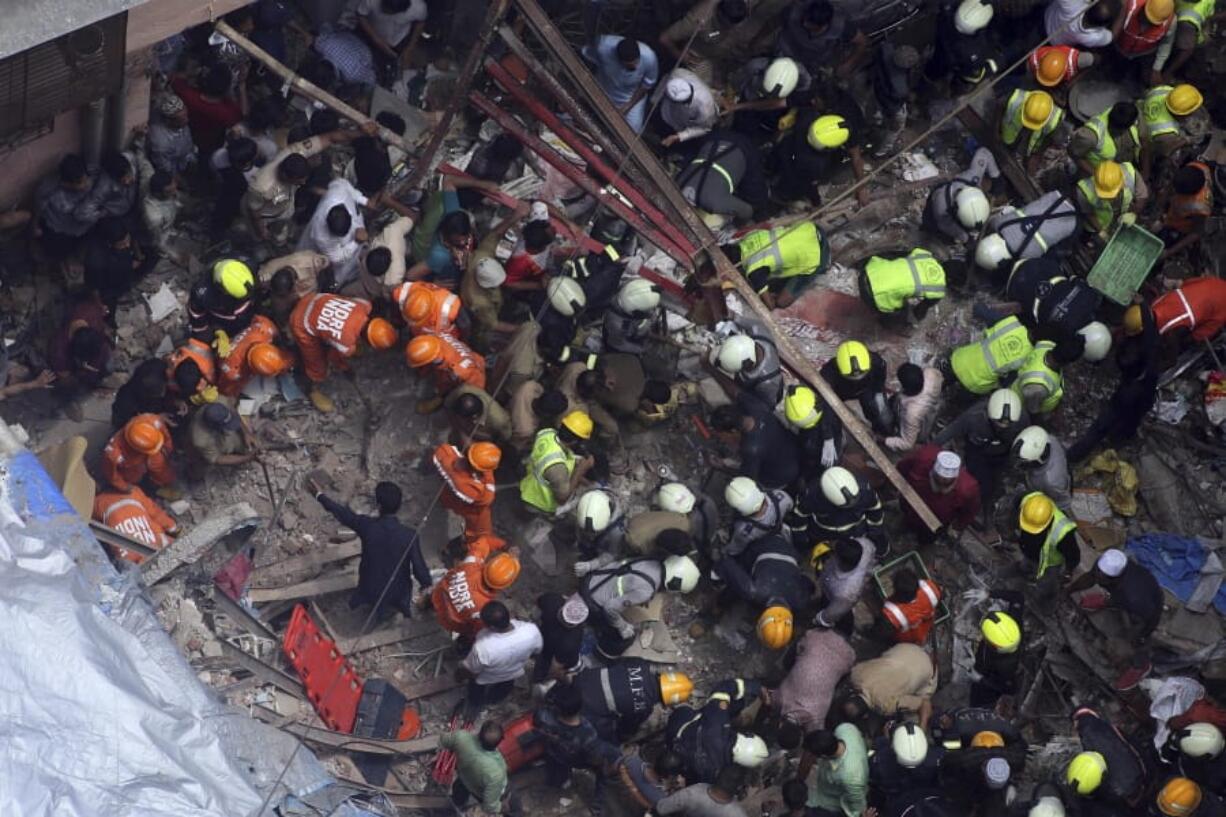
(543, 360)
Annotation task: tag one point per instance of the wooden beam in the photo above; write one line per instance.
(305, 590)
(263, 671)
(265, 574)
(389, 635)
(339, 740)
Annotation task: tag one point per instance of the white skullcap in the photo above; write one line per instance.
(1112, 563)
(948, 465)
(996, 773)
(539, 212)
(574, 611)
(679, 90)
(490, 273)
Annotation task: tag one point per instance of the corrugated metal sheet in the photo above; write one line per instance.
(28, 23)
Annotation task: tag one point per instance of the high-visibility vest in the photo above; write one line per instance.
(1003, 348)
(912, 620)
(1107, 212)
(546, 453)
(1059, 527)
(1183, 213)
(784, 251)
(1158, 118)
(915, 275)
(1195, 14)
(1139, 36)
(1035, 371)
(1197, 301)
(1011, 126)
(202, 354)
(1105, 149)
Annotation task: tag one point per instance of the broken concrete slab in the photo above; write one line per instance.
(190, 547)
(305, 590)
(162, 304)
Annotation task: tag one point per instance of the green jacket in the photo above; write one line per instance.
(483, 773)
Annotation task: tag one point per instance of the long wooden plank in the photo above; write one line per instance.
(265, 672)
(389, 635)
(310, 561)
(352, 743)
(305, 590)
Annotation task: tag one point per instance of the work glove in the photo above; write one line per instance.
(208, 394)
(829, 455)
(1129, 218)
(626, 631)
(221, 342)
(583, 568)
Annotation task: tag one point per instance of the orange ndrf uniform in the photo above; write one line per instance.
(438, 317)
(457, 366)
(327, 328)
(483, 547)
(912, 620)
(1186, 213)
(467, 492)
(136, 516)
(459, 596)
(124, 467)
(234, 371)
(1199, 305)
(200, 352)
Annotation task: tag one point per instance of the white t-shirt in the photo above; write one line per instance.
(498, 657)
(341, 251)
(393, 28)
(1071, 13)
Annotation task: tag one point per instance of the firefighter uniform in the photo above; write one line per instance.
(459, 597)
(124, 467)
(765, 378)
(234, 372)
(327, 329)
(610, 590)
(1003, 348)
(912, 620)
(704, 737)
(1198, 305)
(770, 520)
(888, 778)
(626, 332)
(210, 307)
(136, 516)
(619, 698)
(1050, 298)
(202, 355)
(817, 519)
(767, 572)
(443, 312)
(547, 452)
(889, 284)
(467, 492)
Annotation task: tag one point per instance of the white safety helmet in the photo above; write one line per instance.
(910, 745)
(1004, 406)
(1032, 445)
(781, 77)
(1098, 341)
(744, 496)
(840, 486)
(566, 296)
(675, 498)
(735, 352)
(749, 750)
(972, 17)
(594, 511)
(680, 574)
(1049, 806)
(1201, 740)
(973, 207)
(639, 295)
(992, 251)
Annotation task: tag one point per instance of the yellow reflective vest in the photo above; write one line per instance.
(1050, 555)
(785, 252)
(1158, 118)
(1107, 212)
(1195, 14)
(1106, 150)
(892, 282)
(1003, 348)
(546, 453)
(1036, 372)
(1011, 126)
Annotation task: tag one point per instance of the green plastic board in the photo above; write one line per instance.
(1125, 262)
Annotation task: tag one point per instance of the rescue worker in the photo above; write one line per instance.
(726, 177)
(1199, 305)
(765, 448)
(1042, 295)
(428, 307)
(1108, 771)
(1181, 797)
(1191, 17)
(327, 329)
(998, 659)
(781, 262)
(608, 591)
(1058, 65)
(1189, 210)
(839, 505)
(252, 353)
(958, 209)
(1040, 381)
(767, 575)
(1111, 197)
(1045, 463)
(759, 513)
(914, 282)
(766, 89)
(619, 698)
(141, 448)
(554, 465)
(980, 366)
(191, 373)
(979, 774)
(1049, 800)
(221, 305)
(903, 761)
(449, 362)
(136, 516)
(751, 359)
(464, 590)
(707, 739)
(1162, 109)
(1047, 538)
(825, 137)
(701, 512)
(1110, 136)
(630, 318)
(1196, 751)
(560, 320)
(911, 608)
(855, 373)
(468, 484)
(1141, 26)
(601, 524)
(966, 49)
(1030, 232)
(819, 432)
(1029, 121)
(987, 430)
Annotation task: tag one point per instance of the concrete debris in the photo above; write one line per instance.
(162, 304)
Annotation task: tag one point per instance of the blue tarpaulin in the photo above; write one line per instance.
(1175, 561)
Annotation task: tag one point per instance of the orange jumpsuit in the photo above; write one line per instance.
(459, 596)
(235, 372)
(136, 516)
(468, 493)
(327, 329)
(912, 620)
(444, 309)
(124, 467)
(483, 547)
(200, 352)
(460, 366)
(1199, 304)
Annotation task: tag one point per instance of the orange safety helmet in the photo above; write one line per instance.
(1180, 797)
(500, 572)
(422, 350)
(484, 456)
(266, 359)
(987, 740)
(380, 334)
(1052, 68)
(143, 434)
(418, 307)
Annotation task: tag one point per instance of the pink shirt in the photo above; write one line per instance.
(823, 657)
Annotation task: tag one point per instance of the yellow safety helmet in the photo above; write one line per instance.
(1134, 320)
(1037, 513)
(828, 131)
(1108, 179)
(1001, 631)
(852, 359)
(1180, 797)
(675, 688)
(1052, 68)
(1036, 110)
(1184, 99)
(1159, 11)
(579, 424)
(817, 556)
(1085, 772)
(987, 739)
(234, 277)
(802, 407)
(775, 627)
